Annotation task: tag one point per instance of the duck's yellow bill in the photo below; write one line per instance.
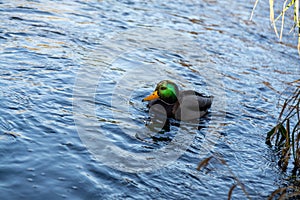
(152, 96)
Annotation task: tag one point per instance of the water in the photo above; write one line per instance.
(75, 70)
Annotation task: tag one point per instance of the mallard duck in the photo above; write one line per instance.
(181, 105)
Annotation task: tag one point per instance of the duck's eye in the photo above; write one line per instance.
(163, 88)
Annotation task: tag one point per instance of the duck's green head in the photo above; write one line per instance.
(165, 90)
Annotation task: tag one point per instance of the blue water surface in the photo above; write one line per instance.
(124, 48)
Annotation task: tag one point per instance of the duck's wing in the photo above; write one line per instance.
(204, 102)
(193, 105)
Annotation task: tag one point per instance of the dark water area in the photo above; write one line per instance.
(72, 76)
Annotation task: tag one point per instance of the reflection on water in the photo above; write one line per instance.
(110, 55)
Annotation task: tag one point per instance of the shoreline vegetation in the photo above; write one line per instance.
(291, 4)
(284, 137)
